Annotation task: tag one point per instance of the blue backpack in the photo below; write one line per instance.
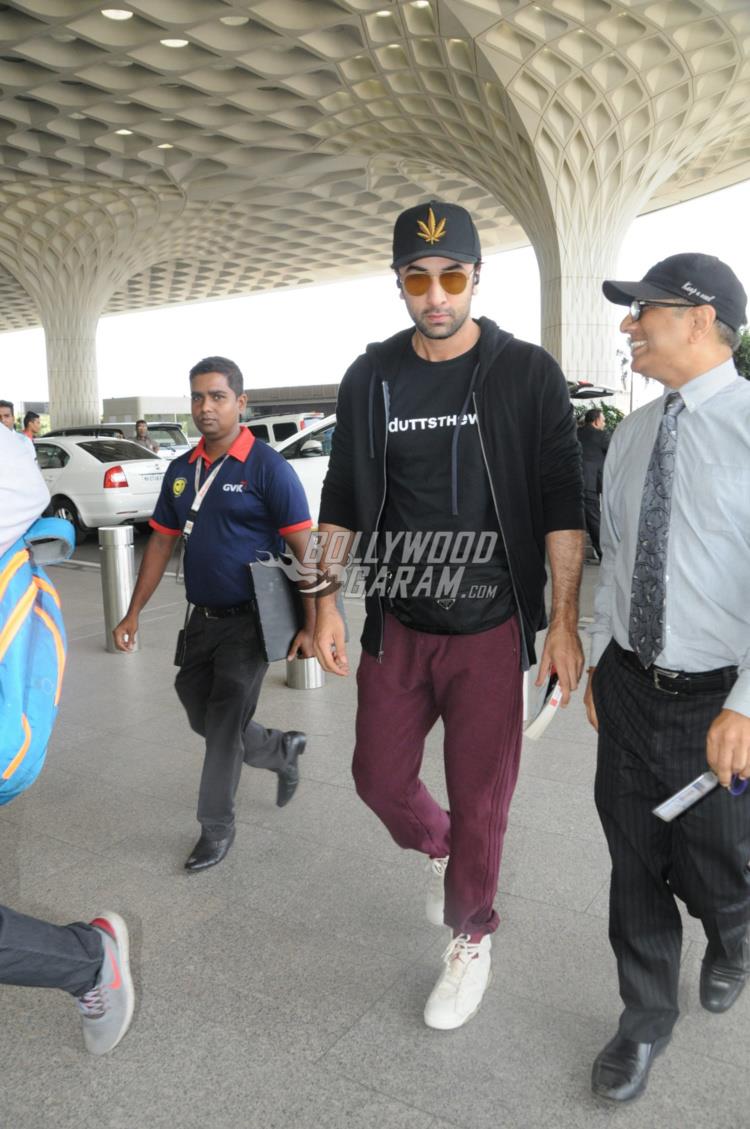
(32, 652)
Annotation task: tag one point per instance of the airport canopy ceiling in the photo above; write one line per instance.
(186, 149)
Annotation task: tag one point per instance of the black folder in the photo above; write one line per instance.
(279, 610)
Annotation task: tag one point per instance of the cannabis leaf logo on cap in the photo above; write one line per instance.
(432, 231)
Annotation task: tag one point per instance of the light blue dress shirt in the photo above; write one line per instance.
(707, 614)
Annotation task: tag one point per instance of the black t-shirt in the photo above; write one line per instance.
(440, 538)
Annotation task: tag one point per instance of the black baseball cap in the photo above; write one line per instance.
(434, 228)
(700, 280)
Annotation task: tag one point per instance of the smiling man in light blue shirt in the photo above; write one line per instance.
(669, 681)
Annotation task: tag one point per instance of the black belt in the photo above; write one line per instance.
(223, 613)
(679, 681)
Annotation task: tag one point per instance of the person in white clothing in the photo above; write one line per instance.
(23, 492)
(87, 960)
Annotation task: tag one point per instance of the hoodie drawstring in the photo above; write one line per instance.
(371, 412)
(454, 441)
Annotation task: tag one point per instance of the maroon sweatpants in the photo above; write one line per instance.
(474, 683)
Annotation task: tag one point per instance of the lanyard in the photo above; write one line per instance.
(200, 494)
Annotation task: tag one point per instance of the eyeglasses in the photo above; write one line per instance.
(452, 281)
(637, 308)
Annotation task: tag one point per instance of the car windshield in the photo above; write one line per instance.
(167, 436)
(116, 450)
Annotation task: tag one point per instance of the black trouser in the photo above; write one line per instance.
(592, 514)
(38, 954)
(650, 745)
(219, 685)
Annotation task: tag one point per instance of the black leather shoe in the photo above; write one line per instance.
(289, 777)
(722, 982)
(207, 852)
(621, 1070)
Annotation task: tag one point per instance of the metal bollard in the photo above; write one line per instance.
(304, 674)
(118, 577)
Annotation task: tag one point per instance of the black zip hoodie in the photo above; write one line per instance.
(528, 437)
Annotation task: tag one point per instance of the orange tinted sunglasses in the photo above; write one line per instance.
(452, 281)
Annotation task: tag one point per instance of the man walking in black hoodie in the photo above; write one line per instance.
(455, 447)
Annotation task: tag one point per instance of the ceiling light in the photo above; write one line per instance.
(234, 21)
(165, 145)
(383, 12)
(78, 117)
(173, 42)
(117, 14)
(166, 119)
(124, 132)
(421, 3)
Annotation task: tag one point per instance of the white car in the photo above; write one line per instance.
(277, 429)
(97, 481)
(170, 437)
(308, 452)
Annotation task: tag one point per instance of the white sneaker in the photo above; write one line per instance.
(435, 900)
(458, 993)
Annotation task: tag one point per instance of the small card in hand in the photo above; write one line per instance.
(546, 708)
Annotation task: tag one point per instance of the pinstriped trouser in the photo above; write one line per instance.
(650, 745)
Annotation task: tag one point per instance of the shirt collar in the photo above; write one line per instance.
(239, 450)
(702, 388)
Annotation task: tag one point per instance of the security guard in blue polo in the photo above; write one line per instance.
(232, 499)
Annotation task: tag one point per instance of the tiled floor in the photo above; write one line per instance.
(284, 989)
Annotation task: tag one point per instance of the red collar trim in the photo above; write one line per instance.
(239, 450)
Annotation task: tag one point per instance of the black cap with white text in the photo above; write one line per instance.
(700, 280)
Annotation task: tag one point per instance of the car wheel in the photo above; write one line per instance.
(64, 508)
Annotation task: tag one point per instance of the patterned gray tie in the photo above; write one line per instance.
(648, 593)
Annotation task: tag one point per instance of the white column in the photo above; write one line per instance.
(579, 326)
(70, 337)
(593, 106)
(71, 246)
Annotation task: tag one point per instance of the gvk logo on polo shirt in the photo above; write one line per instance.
(234, 487)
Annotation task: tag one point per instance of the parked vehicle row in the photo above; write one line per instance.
(96, 481)
(170, 436)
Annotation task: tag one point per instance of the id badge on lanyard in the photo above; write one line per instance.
(187, 529)
(200, 494)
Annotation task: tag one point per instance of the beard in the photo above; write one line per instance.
(440, 332)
